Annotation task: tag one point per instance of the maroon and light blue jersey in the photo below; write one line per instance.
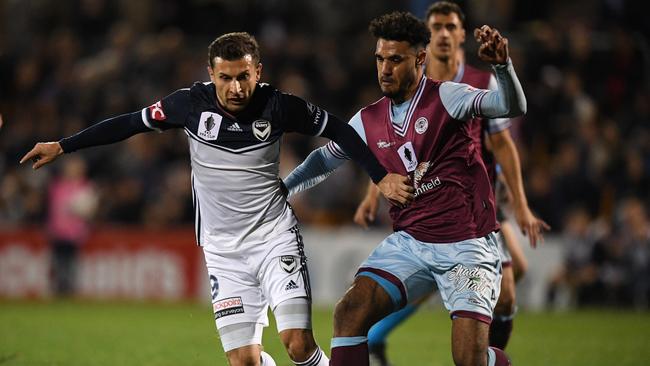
(431, 138)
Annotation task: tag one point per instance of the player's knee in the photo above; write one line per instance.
(300, 343)
(245, 356)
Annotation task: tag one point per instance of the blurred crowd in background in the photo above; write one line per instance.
(584, 144)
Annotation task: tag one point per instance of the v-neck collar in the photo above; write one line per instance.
(401, 129)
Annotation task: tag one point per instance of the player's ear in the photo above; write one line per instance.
(462, 36)
(211, 73)
(421, 57)
(259, 71)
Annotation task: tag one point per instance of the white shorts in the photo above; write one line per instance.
(245, 283)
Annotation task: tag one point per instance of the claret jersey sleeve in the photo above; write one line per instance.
(301, 116)
(169, 112)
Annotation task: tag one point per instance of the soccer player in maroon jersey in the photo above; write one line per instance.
(445, 62)
(445, 237)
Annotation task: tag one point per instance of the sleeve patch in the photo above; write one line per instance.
(156, 112)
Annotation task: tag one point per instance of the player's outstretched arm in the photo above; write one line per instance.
(316, 168)
(106, 132)
(506, 154)
(367, 209)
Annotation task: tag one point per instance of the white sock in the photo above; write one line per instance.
(266, 359)
(318, 358)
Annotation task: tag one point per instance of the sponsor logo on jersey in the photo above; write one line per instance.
(209, 125)
(407, 154)
(288, 263)
(470, 279)
(381, 144)
(291, 286)
(427, 186)
(262, 129)
(228, 306)
(157, 112)
(419, 173)
(421, 125)
(214, 287)
(234, 128)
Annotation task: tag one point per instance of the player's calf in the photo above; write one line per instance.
(293, 318)
(365, 303)
(502, 320)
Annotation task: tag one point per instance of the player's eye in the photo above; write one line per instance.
(396, 59)
(243, 77)
(224, 77)
(436, 27)
(451, 27)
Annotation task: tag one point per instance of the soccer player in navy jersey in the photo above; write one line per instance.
(445, 62)
(445, 238)
(248, 233)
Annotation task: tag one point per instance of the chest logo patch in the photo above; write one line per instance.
(407, 153)
(421, 125)
(262, 129)
(209, 124)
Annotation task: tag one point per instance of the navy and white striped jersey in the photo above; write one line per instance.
(235, 159)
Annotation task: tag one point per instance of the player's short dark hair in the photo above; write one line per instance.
(400, 26)
(233, 46)
(446, 8)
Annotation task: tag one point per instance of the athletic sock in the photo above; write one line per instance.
(378, 332)
(497, 357)
(348, 351)
(500, 330)
(318, 358)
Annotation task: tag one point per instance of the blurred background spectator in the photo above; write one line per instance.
(585, 142)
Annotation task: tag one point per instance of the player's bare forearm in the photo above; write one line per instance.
(505, 152)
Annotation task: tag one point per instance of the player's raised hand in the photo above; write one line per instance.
(43, 153)
(531, 226)
(493, 47)
(397, 189)
(367, 209)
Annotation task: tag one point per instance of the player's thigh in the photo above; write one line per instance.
(395, 265)
(284, 278)
(236, 293)
(468, 274)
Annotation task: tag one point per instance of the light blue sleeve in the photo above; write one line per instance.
(464, 102)
(321, 162)
(495, 125)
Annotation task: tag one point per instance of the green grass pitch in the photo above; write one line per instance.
(87, 333)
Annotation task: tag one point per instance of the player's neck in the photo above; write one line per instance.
(443, 70)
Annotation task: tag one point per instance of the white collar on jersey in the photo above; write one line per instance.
(401, 128)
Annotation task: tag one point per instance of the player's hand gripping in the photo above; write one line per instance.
(493, 47)
(367, 209)
(531, 226)
(43, 153)
(397, 189)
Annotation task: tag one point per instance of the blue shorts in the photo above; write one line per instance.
(467, 273)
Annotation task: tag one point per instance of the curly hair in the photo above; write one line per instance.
(233, 46)
(446, 8)
(400, 26)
